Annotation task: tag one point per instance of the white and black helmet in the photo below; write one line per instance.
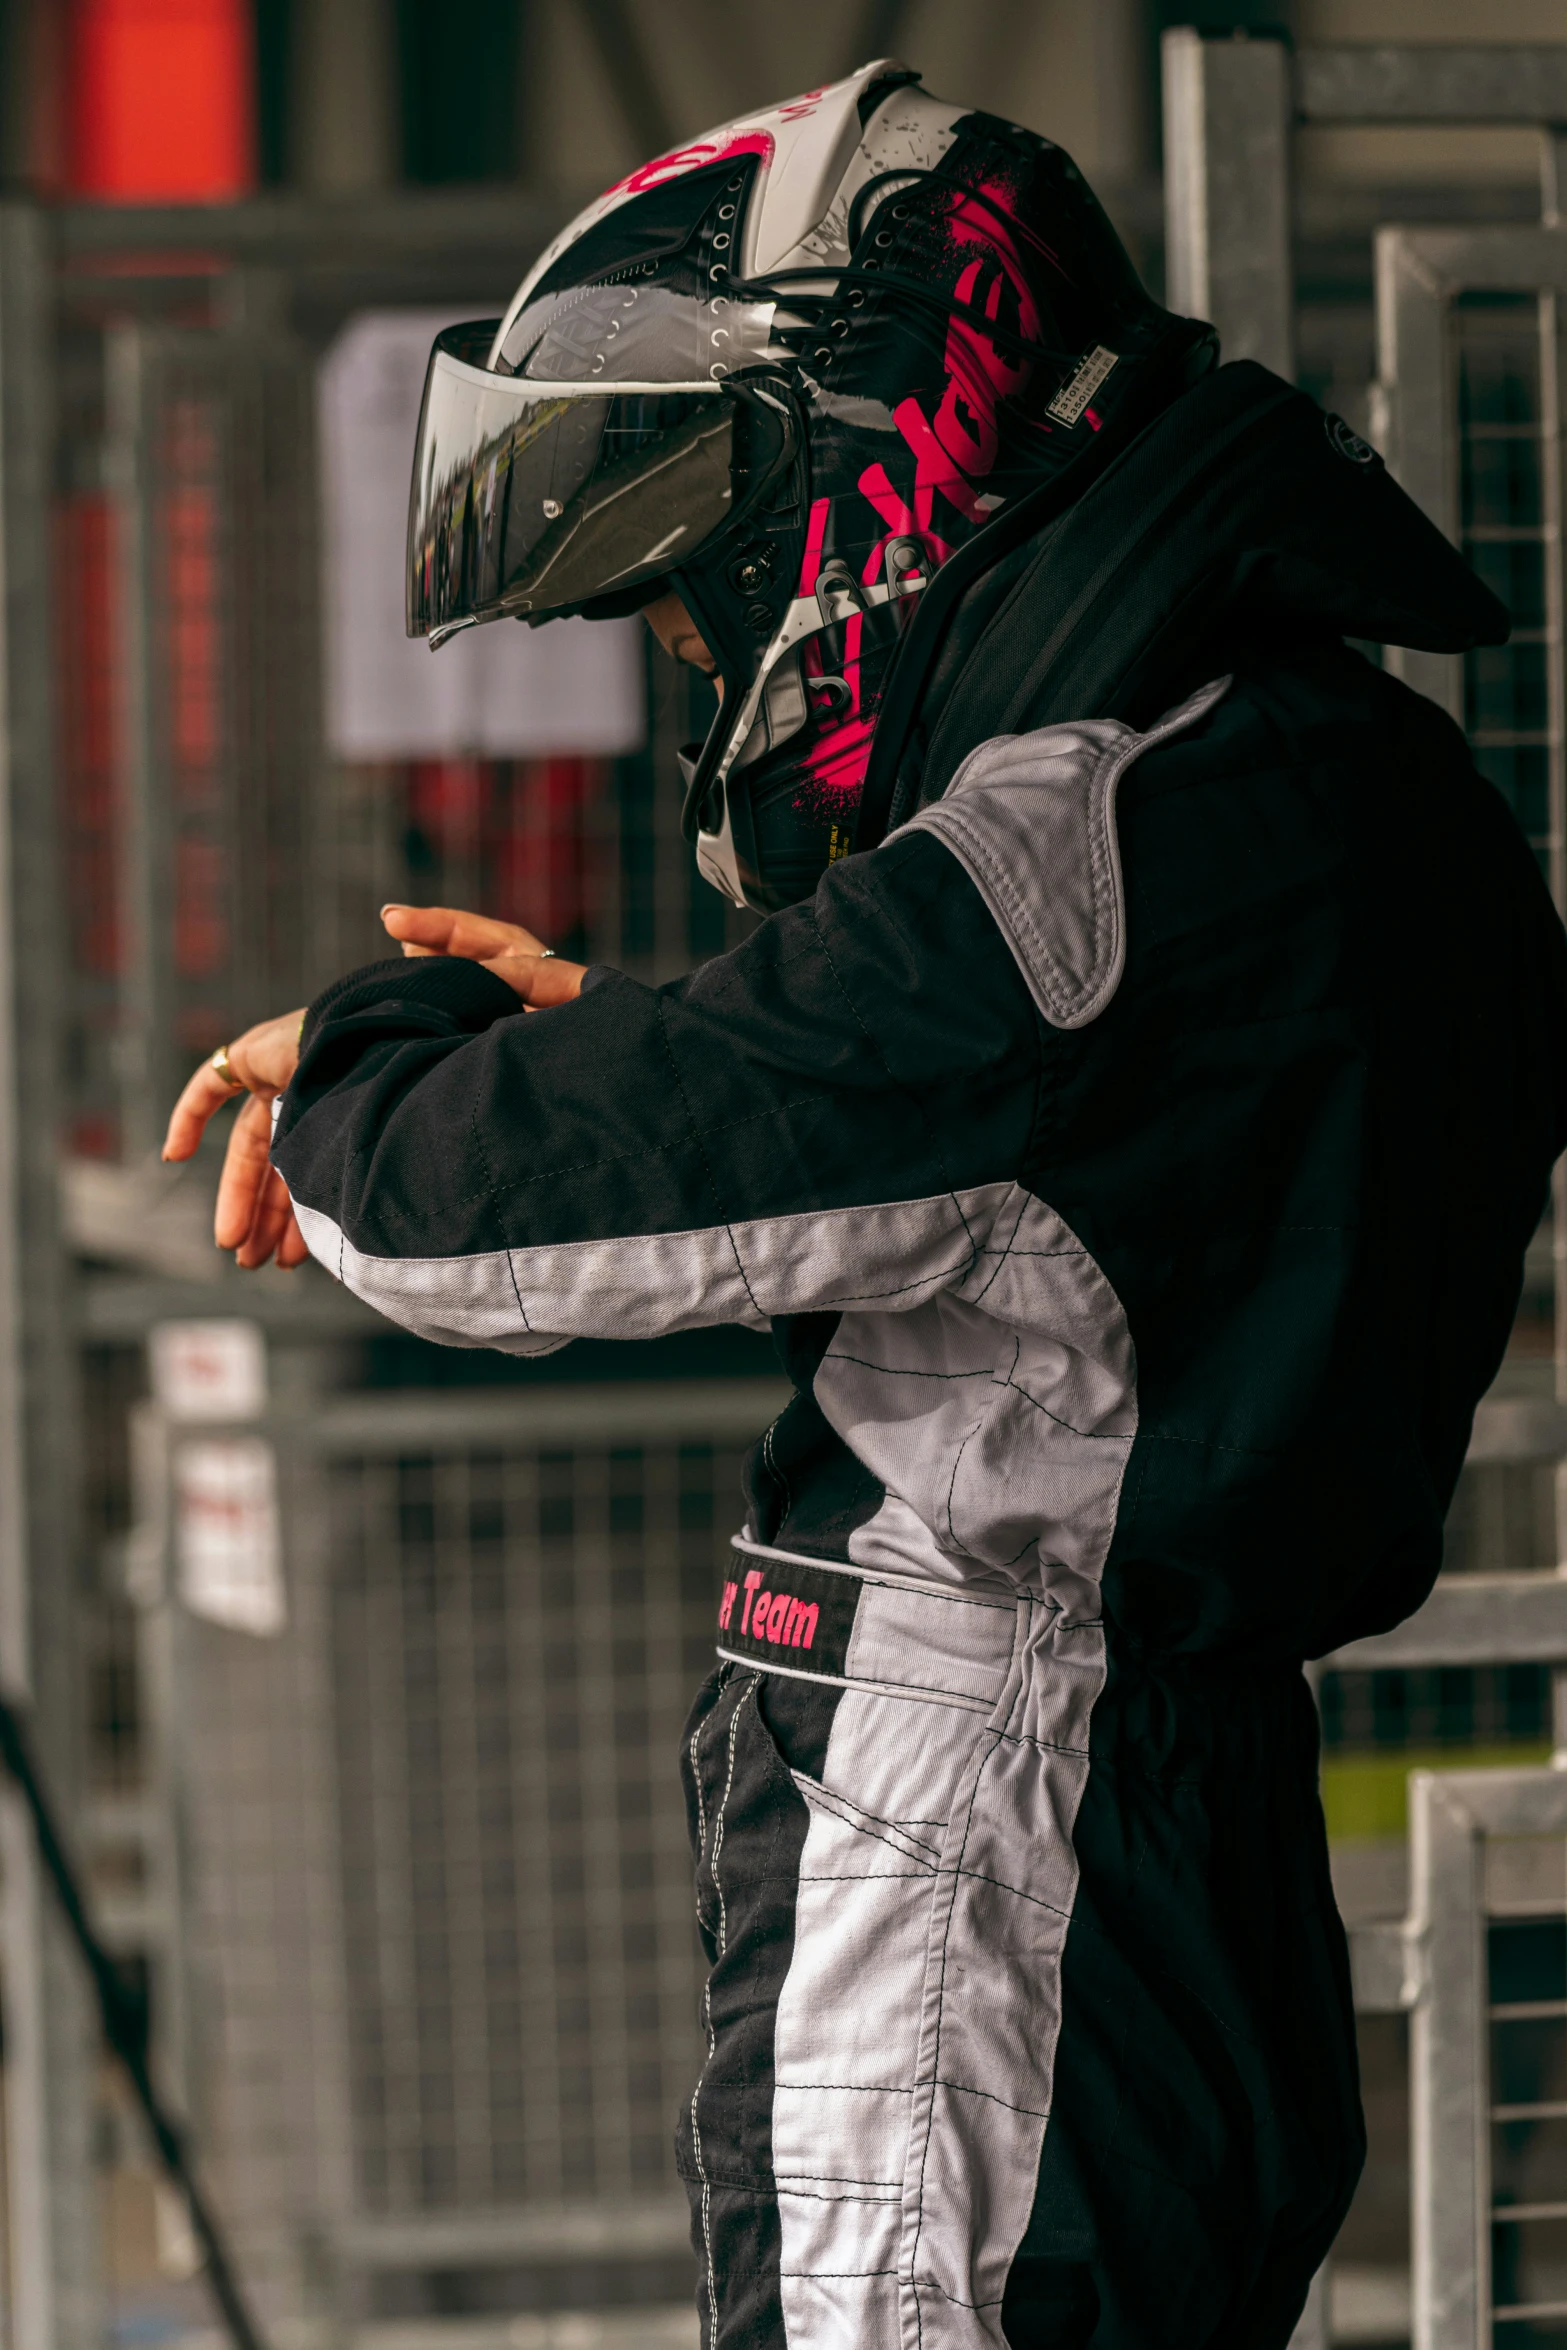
(790, 370)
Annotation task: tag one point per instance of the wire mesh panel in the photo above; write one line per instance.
(1488, 1944)
(516, 1637)
(1467, 410)
(1469, 407)
(211, 456)
(1506, 428)
(586, 852)
(221, 862)
(430, 1877)
(1470, 335)
(1526, 1952)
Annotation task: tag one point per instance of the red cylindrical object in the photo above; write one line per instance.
(160, 100)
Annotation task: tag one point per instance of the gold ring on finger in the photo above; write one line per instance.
(220, 1063)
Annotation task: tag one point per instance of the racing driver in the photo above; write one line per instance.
(1128, 1119)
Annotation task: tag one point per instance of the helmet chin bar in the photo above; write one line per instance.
(837, 597)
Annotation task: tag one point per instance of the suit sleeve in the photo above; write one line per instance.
(832, 1115)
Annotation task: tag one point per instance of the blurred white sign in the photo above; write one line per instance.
(226, 1532)
(215, 1370)
(498, 691)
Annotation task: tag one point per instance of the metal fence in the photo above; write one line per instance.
(161, 683)
(1480, 1966)
(428, 1991)
(222, 861)
(1467, 409)
(425, 1911)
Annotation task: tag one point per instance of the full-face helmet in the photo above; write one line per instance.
(788, 371)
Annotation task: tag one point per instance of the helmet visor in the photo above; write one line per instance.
(532, 498)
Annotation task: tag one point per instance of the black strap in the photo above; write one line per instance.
(122, 2008)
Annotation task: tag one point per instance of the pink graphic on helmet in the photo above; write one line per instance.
(815, 536)
(802, 108)
(692, 158)
(954, 449)
(957, 447)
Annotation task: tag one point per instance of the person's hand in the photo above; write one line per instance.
(255, 1217)
(527, 966)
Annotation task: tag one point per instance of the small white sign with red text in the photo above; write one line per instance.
(227, 1538)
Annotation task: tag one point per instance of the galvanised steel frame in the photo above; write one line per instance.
(1230, 111)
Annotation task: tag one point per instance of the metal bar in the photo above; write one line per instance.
(1512, 259)
(1527, 1802)
(54, 2236)
(210, 457)
(1516, 1429)
(1553, 175)
(1387, 1968)
(1227, 192)
(627, 70)
(1311, 2333)
(577, 2231)
(145, 1065)
(1474, 83)
(1553, 506)
(305, 233)
(307, 1304)
(1500, 1619)
(124, 2017)
(410, 1420)
(1450, 2184)
(1416, 419)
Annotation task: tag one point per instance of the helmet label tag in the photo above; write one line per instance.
(1072, 399)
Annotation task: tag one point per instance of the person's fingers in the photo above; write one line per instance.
(266, 1056)
(274, 1230)
(448, 930)
(263, 1059)
(274, 1214)
(540, 980)
(245, 1170)
(291, 1249)
(204, 1094)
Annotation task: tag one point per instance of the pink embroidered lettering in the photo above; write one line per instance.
(800, 1625)
(726, 1606)
(752, 1579)
(777, 1611)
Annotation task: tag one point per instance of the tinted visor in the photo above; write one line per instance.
(532, 498)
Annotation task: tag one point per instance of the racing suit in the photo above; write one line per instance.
(1133, 1157)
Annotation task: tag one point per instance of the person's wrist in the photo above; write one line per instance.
(450, 985)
